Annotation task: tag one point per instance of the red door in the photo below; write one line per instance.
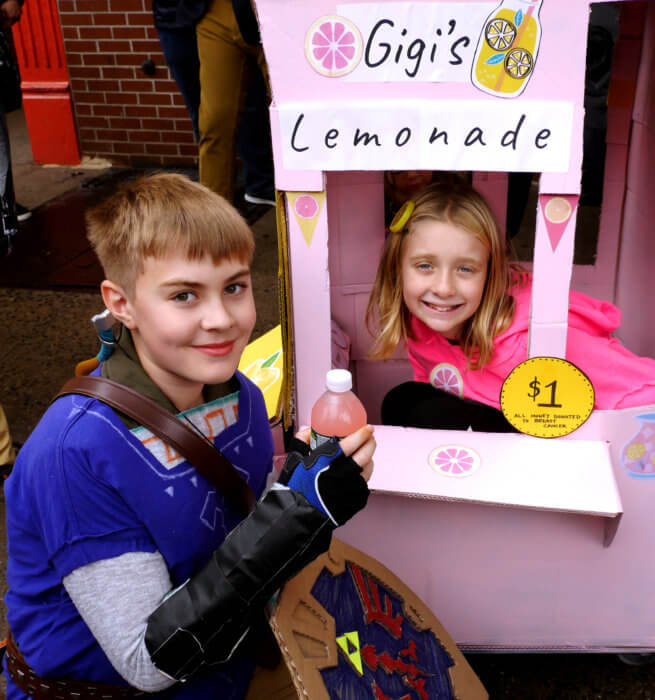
(46, 88)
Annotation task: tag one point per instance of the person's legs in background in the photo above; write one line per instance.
(223, 81)
(254, 142)
(233, 80)
(8, 219)
(7, 452)
(181, 52)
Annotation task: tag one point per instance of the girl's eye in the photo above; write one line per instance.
(184, 297)
(424, 266)
(466, 269)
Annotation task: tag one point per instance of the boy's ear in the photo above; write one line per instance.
(117, 302)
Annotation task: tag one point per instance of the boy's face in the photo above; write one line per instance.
(191, 320)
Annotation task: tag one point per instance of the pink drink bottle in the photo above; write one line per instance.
(338, 412)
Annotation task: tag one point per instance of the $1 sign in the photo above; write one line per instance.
(547, 397)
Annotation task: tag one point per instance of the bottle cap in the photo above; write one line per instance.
(339, 380)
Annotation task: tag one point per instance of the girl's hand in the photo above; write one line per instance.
(361, 445)
(304, 434)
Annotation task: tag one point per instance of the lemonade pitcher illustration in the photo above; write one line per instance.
(507, 49)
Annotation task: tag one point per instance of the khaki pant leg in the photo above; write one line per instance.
(223, 83)
(271, 685)
(7, 454)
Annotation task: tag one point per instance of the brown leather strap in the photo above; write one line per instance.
(206, 458)
(59, 689)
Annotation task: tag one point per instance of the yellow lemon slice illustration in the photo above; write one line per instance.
(261, 372)
(500, 34)
(333, 46)
(519, 63)
(635, 451)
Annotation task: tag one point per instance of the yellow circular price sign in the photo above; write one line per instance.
(547, 397)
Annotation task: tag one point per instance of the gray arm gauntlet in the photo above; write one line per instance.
(203, 621)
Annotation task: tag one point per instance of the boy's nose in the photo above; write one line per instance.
(216, 316)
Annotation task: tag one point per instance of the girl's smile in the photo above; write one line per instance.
(444, 270)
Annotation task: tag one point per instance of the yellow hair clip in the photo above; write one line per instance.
(402, 217)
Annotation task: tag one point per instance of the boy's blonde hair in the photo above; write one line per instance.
(387, 316)
(165, 213)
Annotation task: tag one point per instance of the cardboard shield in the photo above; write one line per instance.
(350, 629)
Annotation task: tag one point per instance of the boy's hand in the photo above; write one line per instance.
(332, 477)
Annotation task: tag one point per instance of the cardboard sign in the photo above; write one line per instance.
(449, 135)
(547, 397)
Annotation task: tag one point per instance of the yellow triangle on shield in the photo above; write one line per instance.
(349, 645)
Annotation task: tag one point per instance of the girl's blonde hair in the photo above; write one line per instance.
(160, 214)
(387, 316)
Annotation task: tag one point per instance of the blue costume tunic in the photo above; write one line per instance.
(86, 488)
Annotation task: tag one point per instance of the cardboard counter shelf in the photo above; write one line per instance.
(516, 542)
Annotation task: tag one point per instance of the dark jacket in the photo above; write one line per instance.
(178, 14)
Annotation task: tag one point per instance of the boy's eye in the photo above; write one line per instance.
(235, 288)
(184, 297)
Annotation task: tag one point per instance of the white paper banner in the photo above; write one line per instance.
(414, 42)
(427, 135)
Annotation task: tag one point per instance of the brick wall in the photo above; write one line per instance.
(122, 113)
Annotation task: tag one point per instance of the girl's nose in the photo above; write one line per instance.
(443, 284)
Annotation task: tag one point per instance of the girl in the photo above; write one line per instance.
(446, 289)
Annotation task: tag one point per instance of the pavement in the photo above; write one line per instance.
(48, 293)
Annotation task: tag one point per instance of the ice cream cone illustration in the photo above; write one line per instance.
(557, 213)
(306, 208)
(507, 49)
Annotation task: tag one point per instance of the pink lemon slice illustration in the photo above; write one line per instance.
(558, 210)
(306, 206)
(447, 378)
(333, 46)
(454, 461)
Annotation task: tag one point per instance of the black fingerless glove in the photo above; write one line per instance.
(328, 479)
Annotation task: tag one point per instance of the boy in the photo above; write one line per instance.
(120, 569)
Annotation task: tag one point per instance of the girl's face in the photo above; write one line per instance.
(444, 270)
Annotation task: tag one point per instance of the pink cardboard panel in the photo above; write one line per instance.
(497, 469)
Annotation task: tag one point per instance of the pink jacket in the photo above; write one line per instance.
(620, 378)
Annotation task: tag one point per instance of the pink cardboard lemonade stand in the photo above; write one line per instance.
(516, 542)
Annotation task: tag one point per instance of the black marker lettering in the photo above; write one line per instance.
(293, 136)
(387, 47)
(407, 134)
(331, 136)
(457, 59)
(474, 135)
(542, 136)
(512, 134)
(366, 137)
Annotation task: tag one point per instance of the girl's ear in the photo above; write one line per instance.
(117, 302)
